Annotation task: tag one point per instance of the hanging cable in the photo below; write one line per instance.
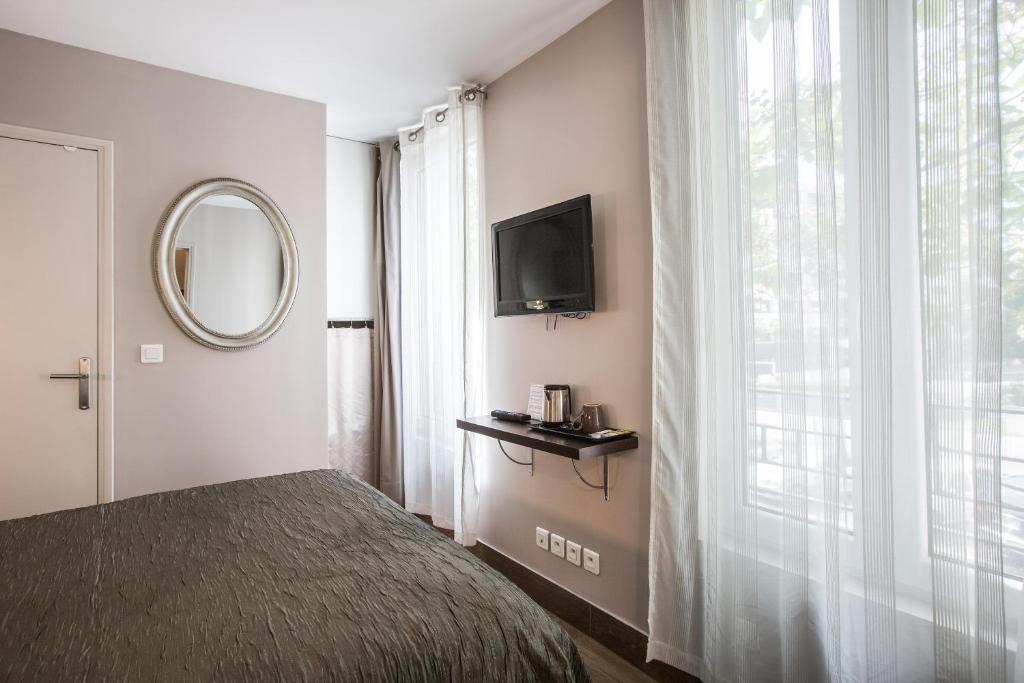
(505, 453)
(551, 319)
(593, 486)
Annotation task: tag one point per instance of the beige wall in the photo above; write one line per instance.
(202, 416)
(569, 121)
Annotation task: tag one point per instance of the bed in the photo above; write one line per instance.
(311, 576)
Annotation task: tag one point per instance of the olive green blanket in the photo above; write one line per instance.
(300, 577)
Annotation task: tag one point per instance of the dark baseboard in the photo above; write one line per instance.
(617, 636)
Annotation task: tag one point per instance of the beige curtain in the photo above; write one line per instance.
(387, 385)
(351, 413)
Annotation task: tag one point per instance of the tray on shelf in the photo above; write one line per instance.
(566, 430)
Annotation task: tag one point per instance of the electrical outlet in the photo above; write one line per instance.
(591, 561)
(573, 552)
(542, 538)
(557, 545)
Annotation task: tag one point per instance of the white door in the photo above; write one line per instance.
(49, 231)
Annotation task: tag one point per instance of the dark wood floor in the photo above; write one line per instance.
(603, 664)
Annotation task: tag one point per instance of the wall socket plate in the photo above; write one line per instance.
(574, 553)
(591, 561)
(557, 545)
(542, 538)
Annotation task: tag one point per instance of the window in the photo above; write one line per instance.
(781, 417)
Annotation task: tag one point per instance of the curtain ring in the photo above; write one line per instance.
(471, 95)
(396, 146)
(412, 136)
(439, 116)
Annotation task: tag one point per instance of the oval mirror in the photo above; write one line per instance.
(226, 264)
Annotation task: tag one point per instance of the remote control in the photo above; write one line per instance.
(509, 416)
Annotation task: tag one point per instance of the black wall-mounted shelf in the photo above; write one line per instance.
(520, 434)
(566, 446)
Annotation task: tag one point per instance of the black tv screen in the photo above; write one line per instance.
(544, 260)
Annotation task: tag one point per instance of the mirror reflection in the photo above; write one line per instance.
(228, 264)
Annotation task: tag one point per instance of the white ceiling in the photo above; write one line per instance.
(375, 63)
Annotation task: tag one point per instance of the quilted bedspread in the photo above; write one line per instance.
(300, 577)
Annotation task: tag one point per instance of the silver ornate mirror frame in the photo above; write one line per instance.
(166, 281)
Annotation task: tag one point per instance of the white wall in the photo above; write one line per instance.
(351, 192)
(201, 416)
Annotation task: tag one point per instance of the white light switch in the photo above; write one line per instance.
(557, 545)
(152, 353)
(591, 561)
(573, 552)
(542, 538)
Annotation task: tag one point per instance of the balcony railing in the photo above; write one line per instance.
(768, 492)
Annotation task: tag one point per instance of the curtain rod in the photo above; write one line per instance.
(361, 142)
(469, 93)
(353, 324)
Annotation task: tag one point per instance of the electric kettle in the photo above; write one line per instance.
(557, 405)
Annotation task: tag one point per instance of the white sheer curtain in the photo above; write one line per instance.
(838, 472)
(442, 297)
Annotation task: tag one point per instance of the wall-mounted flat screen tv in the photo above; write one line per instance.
(544, 260)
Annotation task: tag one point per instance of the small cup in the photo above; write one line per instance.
(590, 418)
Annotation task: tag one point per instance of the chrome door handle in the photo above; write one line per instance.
(84, 377)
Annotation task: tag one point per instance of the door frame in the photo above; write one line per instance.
(104, 369)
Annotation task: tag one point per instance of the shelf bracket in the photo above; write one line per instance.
(518, 462)
(603, 486)
(604, 467)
